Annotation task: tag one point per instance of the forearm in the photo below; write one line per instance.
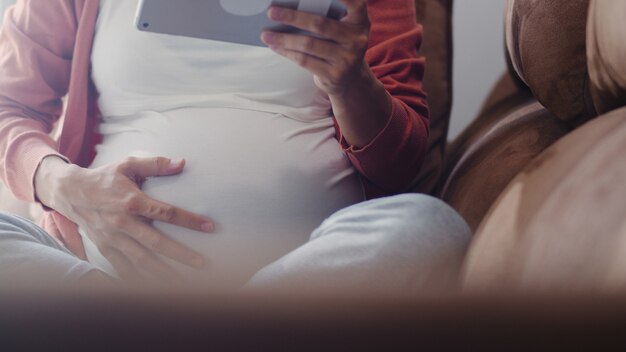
(363, 110)
(367, 63)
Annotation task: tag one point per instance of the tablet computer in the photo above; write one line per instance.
(237, 21)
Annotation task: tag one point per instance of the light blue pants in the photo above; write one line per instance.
(398, 244)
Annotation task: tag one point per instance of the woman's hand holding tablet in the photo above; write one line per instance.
(335, 55)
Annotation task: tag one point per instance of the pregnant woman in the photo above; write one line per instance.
(218, 161)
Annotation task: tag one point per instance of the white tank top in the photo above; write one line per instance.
(257, 134)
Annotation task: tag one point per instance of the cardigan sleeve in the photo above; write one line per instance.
(36, 45)
(391, 162)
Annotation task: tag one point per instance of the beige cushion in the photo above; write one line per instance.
(436, 17)
(546, 43)
(606, 52)
(561, 224)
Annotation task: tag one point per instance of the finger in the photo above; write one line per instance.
(123, 267)
(149, 167)
(314, 64)
(319, 48)
(142, 258)
(154, 210)
(157, 242)
(357, 11)
(320, 25)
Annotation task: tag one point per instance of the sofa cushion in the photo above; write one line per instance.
(546, 43)
(606, 51)
(561, 224)
(505, 96)
(436, 17)
(500, 144)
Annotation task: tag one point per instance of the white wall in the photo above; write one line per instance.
(478, 57)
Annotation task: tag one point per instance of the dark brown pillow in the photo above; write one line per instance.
(436, 17)
(546, 43)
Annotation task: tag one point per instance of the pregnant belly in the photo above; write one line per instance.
(266, 180)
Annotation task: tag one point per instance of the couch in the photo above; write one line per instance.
(540, 174)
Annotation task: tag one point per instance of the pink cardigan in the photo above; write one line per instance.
(45, 54)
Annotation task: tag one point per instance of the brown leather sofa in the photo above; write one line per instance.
(540, 175)
(561, 223)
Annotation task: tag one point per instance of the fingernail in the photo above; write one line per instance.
(275, 13)
(176, 162)
(208, 227)
(267, 37)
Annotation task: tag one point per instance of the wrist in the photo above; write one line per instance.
(363, 109)
(363, 80)
(48, 176)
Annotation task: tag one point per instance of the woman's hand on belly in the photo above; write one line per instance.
(109, 206)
